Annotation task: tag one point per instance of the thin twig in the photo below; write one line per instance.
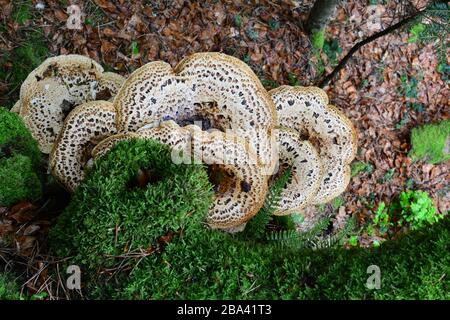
(362, 43)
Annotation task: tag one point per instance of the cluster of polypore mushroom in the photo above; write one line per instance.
(210, 108)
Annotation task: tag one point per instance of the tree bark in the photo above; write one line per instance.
(320, 14)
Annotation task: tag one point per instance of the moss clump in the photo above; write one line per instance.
(213, 265)
(16, 65)
(8, 287)
(20, 161)
(431, 142)
(110, 214)
(19, 181)
(15, 138)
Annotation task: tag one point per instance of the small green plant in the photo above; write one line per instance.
(353, 241)
(413, 209)
(237, 20)
(360, 166)
(292, 79)
(9, 289)
(256, 227)
(416, 210)
(270, 84)
(273, 24)
(381, 219)
(431, 142)
(387, 176)
(251, 33)
(134, 48)
(409, 183)
(403, 121)
(337, 203)
(432, 27)
(408, 86)
(332, 50)
(416, 31)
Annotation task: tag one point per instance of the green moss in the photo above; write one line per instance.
(19, 181)
(20, 161)
(15, 65)
(108, 215)
(16, 139)
(318, 39)
(213, 265)
(8, 288)
(22, 11)
(431, 142)
(360, 166)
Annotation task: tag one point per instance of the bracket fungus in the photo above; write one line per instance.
(306, 174)
(213, 87)
(240, 188)
(247, 129)
(84, 127)
(57, 86)
(306, 110)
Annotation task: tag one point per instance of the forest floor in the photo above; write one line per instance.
(387, 88)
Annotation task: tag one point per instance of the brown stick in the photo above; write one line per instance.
(362, 43)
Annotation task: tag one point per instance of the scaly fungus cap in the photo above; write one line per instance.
(214, 87)
(83, 128)
(306, 110)
(306, 171)
(54, 88)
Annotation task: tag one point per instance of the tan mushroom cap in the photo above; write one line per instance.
(54, 88)
(306, 110)
(212, 86)
(44, 109)
(242, 188)
(71, 69)
(306, 171)
(240, 101)
(83, 128)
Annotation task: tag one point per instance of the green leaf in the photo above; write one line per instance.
(134, 48)
(353, 241)
(416, 30)
(318, 39)
(237, 20)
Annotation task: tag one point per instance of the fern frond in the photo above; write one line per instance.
(298, 240)
(256, 227)
(336, 239)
